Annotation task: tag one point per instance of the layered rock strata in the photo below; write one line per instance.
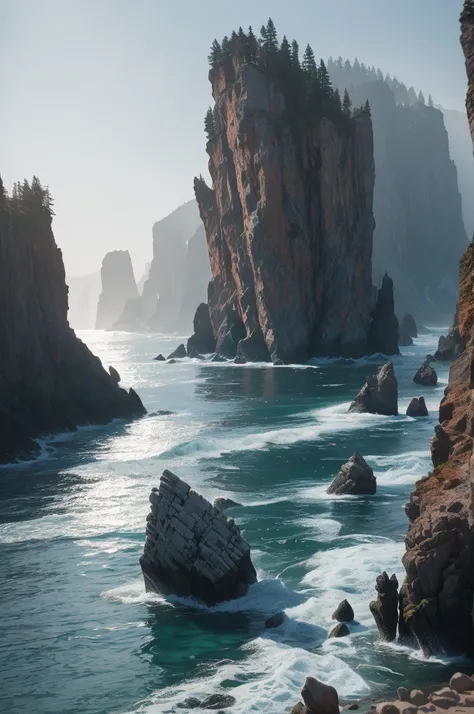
(191, 548)
(118, 286)
(289, 225)
(49, 380)
(436, 598)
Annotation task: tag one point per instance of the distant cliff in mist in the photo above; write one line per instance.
(49, 380)
(83, 296)
(118, 286)
(177, 278)
(420, 234)
(460, 149)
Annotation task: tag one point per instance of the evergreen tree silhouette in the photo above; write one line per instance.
(252, 46)
(324, 79)
(421, 97)
(430, 101)
(209, 127)
(309, 63)
(295, 54)
(346, 103)
(215, 54)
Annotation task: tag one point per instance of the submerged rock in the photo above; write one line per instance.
(239, 360)
(379, 395)
(218, 358)
(191, 548)
(385, 608)
(202, 340)
(417, 407)
(426, 375)
(218, 701)
(339, 630)
(178, 353)
(275, 620)
(343, 612)
(224, 503)
(355, 478)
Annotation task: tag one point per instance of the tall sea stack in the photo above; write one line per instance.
(436, 598)
(288, 220)
(49, 380)
(118, 286)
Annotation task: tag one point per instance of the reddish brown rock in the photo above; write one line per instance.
(289, 227)
(436, 599)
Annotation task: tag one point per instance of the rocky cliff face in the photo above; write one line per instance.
(288, 222)
(436, 599)
(49, 380)
(419, 235)
(118, 286)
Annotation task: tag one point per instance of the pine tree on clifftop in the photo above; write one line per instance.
(209, 126)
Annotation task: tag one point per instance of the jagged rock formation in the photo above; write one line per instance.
(417, 205)
(355, 478)
(191, 548)
(49, 380)
(379, 395)
(177, 277)
(435, 611)
(343, 612)
(288, 221)
(385, 608)
(417, 407)
(118, 286)
(202, 340)
(426, 375)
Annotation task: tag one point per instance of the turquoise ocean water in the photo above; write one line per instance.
(78, 633)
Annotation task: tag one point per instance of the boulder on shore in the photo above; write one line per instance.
(191, 548)
(417, 407)
(379, 395)
(355, 478)
(178, 353)
(426, 375)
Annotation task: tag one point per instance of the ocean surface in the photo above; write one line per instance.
(78, 633)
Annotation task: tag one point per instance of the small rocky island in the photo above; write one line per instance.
(288, 220)
(192, 549)
(118, 286)
(49, 379)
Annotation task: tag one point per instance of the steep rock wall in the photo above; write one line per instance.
(118, 286)
(436, 599)
(419, 235)
(288, 222)
(49, 380)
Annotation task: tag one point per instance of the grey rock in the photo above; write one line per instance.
(224, 503)
(355, 478)
(403, 694)
(385, 608)
(343, 612)
(202, 339)
(417, 697)
(191, 548)
(218, 358)
(218, 701)
(408, 327)
(239, 359)
(426, 375)
(339, 630)
(379, 395)
(417, 407)
(319, 698)
(178, 353)
(160, 358)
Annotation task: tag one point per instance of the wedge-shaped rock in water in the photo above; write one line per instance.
(379, 395)
(191, 548)
(426, 375)
(417, 407)
(355, 478)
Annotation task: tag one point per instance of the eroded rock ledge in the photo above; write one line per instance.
(191, 548)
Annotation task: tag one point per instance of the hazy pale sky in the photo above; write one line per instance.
(104, 99)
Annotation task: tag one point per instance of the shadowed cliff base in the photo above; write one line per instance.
(289, 220)
(49, 380)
